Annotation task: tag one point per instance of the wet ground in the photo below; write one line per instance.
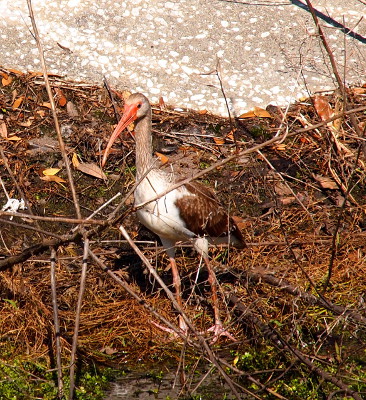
(162, 385)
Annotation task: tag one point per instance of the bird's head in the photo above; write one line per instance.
(137, 106)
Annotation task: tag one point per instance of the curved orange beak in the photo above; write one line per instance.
(129, 115)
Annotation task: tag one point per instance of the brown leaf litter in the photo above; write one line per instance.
(301, 206)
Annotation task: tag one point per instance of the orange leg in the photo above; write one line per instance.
(178, 295)
(178, 292)
(218, 328)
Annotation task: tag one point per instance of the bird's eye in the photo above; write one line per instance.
(139, 105)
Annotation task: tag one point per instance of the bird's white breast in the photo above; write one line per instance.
(161, 216)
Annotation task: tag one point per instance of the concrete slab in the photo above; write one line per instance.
(266, 51)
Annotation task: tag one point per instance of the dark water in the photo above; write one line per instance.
(166, 386)
(143, 386)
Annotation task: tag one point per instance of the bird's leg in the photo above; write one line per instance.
(218, 328)
(178, 292)
(178, 295)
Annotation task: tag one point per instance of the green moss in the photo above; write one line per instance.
(259, 131)
(203, 164)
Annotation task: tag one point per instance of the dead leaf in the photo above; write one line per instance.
(219, 140)
(262, 113)
(14, 138)
(7, 79)
(280, 147)
(3, 130)
(44, 144)
(74, 160)
(326, 182)
(91, 169)
(52, 178)
(108, 350)
(339, 200)
(287, 200)
(27, 123)
(35, 73)
(63, 47)
(202, 112)
(282, 189)
(15, 71)
(234, 174)
(17, 102)
(46, 104)
(323, 108)
(62, 100)
(72, 110)
(248, 114)
(359, 90)
(162, 103)
(256, 112)
(230, 135)
(14, 95)
(124, 95)
(162, 157)
(50, 171)
(240, 222)
(304, 139)
(32, 74)
(41, 113)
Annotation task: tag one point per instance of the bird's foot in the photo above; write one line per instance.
(183, 328)
(219, 330)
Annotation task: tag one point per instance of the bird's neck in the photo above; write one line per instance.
(144, 158)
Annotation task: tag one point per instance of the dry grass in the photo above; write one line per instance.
(297, 230)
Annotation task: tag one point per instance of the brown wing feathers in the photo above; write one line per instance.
(204, 215)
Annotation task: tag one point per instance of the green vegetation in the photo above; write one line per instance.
(24, 379)
(292, 383)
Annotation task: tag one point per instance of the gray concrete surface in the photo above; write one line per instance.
(267, 49)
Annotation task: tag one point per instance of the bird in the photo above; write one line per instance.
(188, 213)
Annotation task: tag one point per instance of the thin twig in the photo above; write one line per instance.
(218, 74)
(259, 276)
(355, 126)
(80, 221)
(77, 318)
(56, 323)
(31, 228)
(246, 152)
(106, 85)
(335, 238)
(201, 339)
(278, 341)
(326, 46)
(54, 113)
(286, 184)
(19, 189)
(44, 245)
(160, 281)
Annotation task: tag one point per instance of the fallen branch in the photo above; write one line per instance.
(261, 276)
(202, 343)
(276, 339)
(37, 249)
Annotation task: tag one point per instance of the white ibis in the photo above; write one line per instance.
(188, 213)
